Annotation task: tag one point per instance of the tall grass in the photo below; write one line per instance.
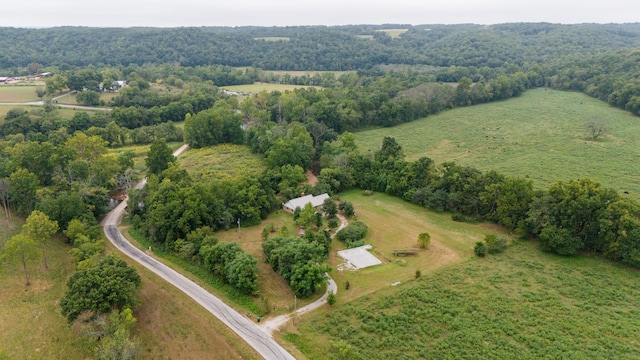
(540, 135)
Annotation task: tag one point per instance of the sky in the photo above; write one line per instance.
(176, 13)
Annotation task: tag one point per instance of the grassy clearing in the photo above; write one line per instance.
(366, 37)
(394, 224)
(522, 304)
(258, 87)
(31, 326)
(393, 33)
(541, 134)
(221, 162)
(18, 93)
(172, 326)
(272, 38)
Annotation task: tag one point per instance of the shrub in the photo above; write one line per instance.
(424, 239)
(495, 244)
(352, 234)
(331, 298)
(347, 208)
(333, 223)
(480, 249)
(418, 274)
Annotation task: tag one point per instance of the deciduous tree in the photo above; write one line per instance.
(40, 228)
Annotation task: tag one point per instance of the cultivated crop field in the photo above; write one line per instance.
(522, 304)
(18, 93)
(396, 224)
(541, 134)
(221, 162)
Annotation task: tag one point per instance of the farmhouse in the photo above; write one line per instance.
(316, 201)
(3, 79)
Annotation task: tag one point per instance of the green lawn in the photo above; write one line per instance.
(522, 304)
(18, 93)
(541, 135)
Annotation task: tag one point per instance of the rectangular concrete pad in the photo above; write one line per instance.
(358, 258)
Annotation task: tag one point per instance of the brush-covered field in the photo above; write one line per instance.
(541, 134)
(221, 162)
(522, 304)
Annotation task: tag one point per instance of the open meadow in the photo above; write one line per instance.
(221, 162)
(18, 93)
(541, 135)
(521, 304)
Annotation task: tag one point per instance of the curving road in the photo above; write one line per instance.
(246, 329)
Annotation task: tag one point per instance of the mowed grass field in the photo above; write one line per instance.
(221, 162)
(521, 304)
(541, 134)
(18, 93)
(258, 87)
(396, 224)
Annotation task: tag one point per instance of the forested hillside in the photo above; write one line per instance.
(313, 47)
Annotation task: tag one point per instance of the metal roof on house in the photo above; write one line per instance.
(302, 201)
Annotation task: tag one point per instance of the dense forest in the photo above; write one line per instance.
(312, 48)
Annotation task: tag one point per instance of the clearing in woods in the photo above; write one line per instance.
(394, 223)
(540, 135)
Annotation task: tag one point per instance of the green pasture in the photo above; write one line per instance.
(221, 162)
(393, 33)
(18, 93)
(258, 87)
(521, 304)
(540, 135)
(366, 37)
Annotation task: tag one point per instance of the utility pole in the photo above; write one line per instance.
(295, 308)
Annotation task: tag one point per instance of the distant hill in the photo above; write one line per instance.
(313, 47)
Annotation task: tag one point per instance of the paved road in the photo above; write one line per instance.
(245, 328)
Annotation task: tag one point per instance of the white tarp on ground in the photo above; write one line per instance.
(358, 258)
